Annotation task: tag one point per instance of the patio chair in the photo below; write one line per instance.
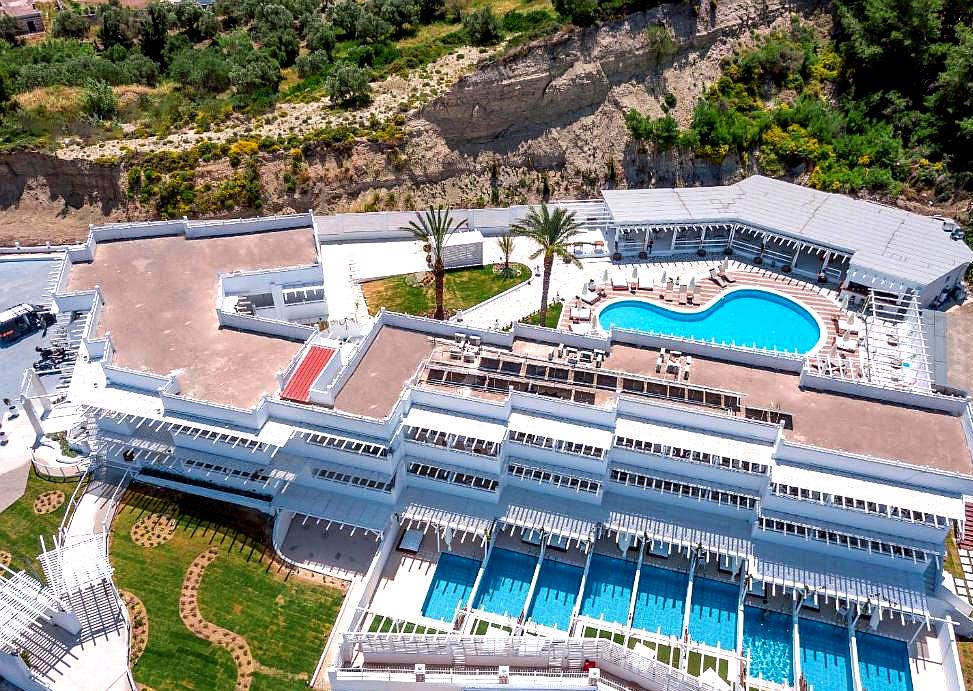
(713, 276)
(846, 342)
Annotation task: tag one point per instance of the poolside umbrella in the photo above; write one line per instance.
(604, 277)
(692, 283)
(726, 264)
(663, 279)
(635, 273)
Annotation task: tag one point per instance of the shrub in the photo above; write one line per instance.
(260, 73)
(579, 12)
(348, 85)
(320, 37)
(483, 27)
(69, 24)
(312, 63)
(98, 100)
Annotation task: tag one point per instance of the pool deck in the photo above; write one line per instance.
(160, 298)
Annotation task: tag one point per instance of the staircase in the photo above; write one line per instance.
(966, 539)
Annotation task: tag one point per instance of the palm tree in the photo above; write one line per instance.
(506, 245)
(433, 228)
(552, 231)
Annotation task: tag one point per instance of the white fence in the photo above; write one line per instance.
(952, 669)
(141, 381)
(263, 325)
(954, 405)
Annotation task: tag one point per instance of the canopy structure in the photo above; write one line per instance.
(423, 510)
(76, 563)
(23, 600)
(540, 513)
(656, 523)
(340, 509)
(816, 574)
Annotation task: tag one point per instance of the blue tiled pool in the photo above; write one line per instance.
(555, 594)
(450, 587)
(713, 618)
(608, 590)
(883, 663)
(768, 639)
(824, 656)
(661, 600)
(506, 580)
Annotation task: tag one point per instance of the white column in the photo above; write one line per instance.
(796, 638)
(278, 293)
(584, 582)
(856, 674)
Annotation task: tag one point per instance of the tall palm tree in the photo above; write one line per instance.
(506, 245)
(552, 231)
(434, 228)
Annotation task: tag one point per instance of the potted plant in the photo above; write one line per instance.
(617, 257)
(643, 255)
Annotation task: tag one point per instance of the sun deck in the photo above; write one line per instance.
(160, 297)
(828, 420)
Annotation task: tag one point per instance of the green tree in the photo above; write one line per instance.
(283, 46)
(434, 228)
(205, 70)
(69, 23)
(552, 231)
(348, 85)
(345, 15)
(312, 63)
(271, 19)
(371, 28)
(506, 245)
(259, 73)
(9, 29)
(116, 25)
(483, 27)
(153, 30)
(320, 37)
(401, 15)
(98, 100)
(578, 12)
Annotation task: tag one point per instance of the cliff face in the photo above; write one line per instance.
(554, 85)
(545, 120)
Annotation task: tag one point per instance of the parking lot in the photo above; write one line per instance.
(21, 281)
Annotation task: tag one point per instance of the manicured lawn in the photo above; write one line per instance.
(951, 562)
(553, 316)
(20, 526)
(285, 621)
(464, 288)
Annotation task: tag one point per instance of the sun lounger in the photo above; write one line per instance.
(582, 329)
(849, 325)
(682, 295)
(846, 343)
(725, 276)
(590, 298)
(713, 276)
(581, 314)
(619, 282)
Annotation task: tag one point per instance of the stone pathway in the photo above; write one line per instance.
(189, 613)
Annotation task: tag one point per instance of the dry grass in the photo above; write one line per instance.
(129, 94)
(53, 99)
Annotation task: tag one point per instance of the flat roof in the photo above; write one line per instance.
(884, 240)
(828, 420)
(160, 298)
(298, 387)
(381, 375)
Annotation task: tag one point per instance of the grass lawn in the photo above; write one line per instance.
(285, 620)
(20, 526)
(553, 316)
(951, 562)
(464, 289)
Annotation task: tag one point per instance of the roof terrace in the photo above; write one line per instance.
(884, 430)
(160, 297)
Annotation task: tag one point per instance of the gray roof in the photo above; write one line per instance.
(884, 241)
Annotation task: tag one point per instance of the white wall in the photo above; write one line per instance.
(953, 405)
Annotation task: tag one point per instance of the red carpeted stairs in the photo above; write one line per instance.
(966, 542)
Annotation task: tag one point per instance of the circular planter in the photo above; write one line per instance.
(643, 255)
(617, 257)
(758, 260)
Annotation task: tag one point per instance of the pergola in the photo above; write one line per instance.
(543, 521)
(76, 563)
(24, 600)
(446, 516)
(679, 533)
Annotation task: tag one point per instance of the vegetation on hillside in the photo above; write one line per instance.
(170, 65)
(838, 109)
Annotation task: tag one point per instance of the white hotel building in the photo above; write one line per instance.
(557, 509)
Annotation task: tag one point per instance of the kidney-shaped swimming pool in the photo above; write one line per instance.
(745, 317)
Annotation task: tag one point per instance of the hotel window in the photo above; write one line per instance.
(332, 475)
(855, 504)
(842, 539)
(454, 477)
(332, 441)
(643, 481)
(578, 484)
(691, 455)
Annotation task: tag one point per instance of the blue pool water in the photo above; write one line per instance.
(713, 617)
(825, 656)
(661, 600)
(747, 317)
(450, 587)
(883, 663)
(608, 590)
(555, 594)
(506, 580)
(768, 639)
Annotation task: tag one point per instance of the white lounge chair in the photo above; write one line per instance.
(619, 282)
(581, 314)
(582, 329)
(849, 324)
(846, 342)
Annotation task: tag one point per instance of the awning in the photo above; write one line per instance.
(558, 429)
(847, 579)
(713, 444)
(455, 423)
(538, 512)
(342, 509)
(653, 521)
(424, 509)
